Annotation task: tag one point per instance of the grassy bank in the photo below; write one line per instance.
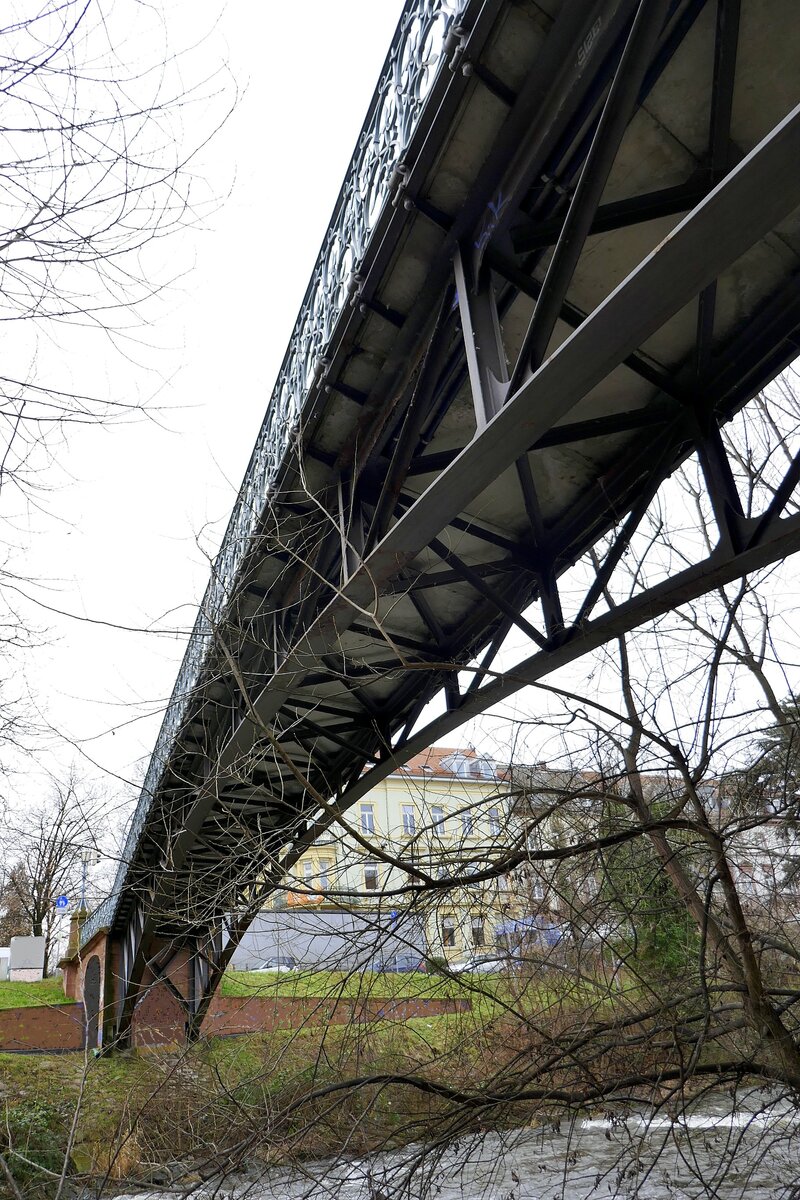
(167, 1116)
(29, 995)
(159, 1117)
(170, 1118)
(352, 984)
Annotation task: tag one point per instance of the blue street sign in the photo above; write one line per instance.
(62, 902)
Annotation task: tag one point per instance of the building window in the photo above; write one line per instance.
(483, 768)
(409, 819)
(367, 818)
(467, 824)
(494, 822)
(324, 868)
(478, 936)
(746, 880)
(370, 877)
(308, 871)
(437, 815)
(457, 764)
(448, 931)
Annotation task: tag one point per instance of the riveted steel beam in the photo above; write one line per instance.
(619, 214)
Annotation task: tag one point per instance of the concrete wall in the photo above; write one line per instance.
(26, 975)
(319, 937)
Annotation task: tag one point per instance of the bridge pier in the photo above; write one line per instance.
(162, 1004)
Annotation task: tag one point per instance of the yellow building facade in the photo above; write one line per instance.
(444, 815)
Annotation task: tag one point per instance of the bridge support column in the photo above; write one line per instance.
(160, 992)
(162, 1009)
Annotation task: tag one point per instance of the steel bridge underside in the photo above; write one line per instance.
(588, 265)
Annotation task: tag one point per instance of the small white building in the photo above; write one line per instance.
(26, 959)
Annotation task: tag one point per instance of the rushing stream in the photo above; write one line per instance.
(712, 1154)
(753, 1152)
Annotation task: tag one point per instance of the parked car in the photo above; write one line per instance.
(400, 963)
(485, 965)
(278, 963)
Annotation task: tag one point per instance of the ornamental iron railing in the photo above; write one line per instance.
(416, 58)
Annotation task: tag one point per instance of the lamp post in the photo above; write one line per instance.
(89, 857)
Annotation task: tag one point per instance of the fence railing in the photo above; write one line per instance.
(416, 58)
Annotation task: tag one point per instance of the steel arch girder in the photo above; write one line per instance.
(745, 205)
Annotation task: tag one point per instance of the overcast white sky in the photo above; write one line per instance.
(120, 544)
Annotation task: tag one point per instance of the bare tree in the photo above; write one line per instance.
(100, 131)
(96, 175)
(49, 846)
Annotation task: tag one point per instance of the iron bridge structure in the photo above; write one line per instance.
(564, 255)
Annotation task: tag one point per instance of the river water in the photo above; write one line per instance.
(752, 1152)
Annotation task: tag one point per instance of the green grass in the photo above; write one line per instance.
(30, 995)
(383, 986)
(171, 1104)
(488, 994)
(144, 1108)
(390, 985)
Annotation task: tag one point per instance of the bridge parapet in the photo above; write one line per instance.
(99, 918)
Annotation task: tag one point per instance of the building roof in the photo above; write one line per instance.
(467, 763)
(448, 762)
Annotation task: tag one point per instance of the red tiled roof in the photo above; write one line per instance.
(433, 763)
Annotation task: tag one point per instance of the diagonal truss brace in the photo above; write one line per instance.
(721, 567)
